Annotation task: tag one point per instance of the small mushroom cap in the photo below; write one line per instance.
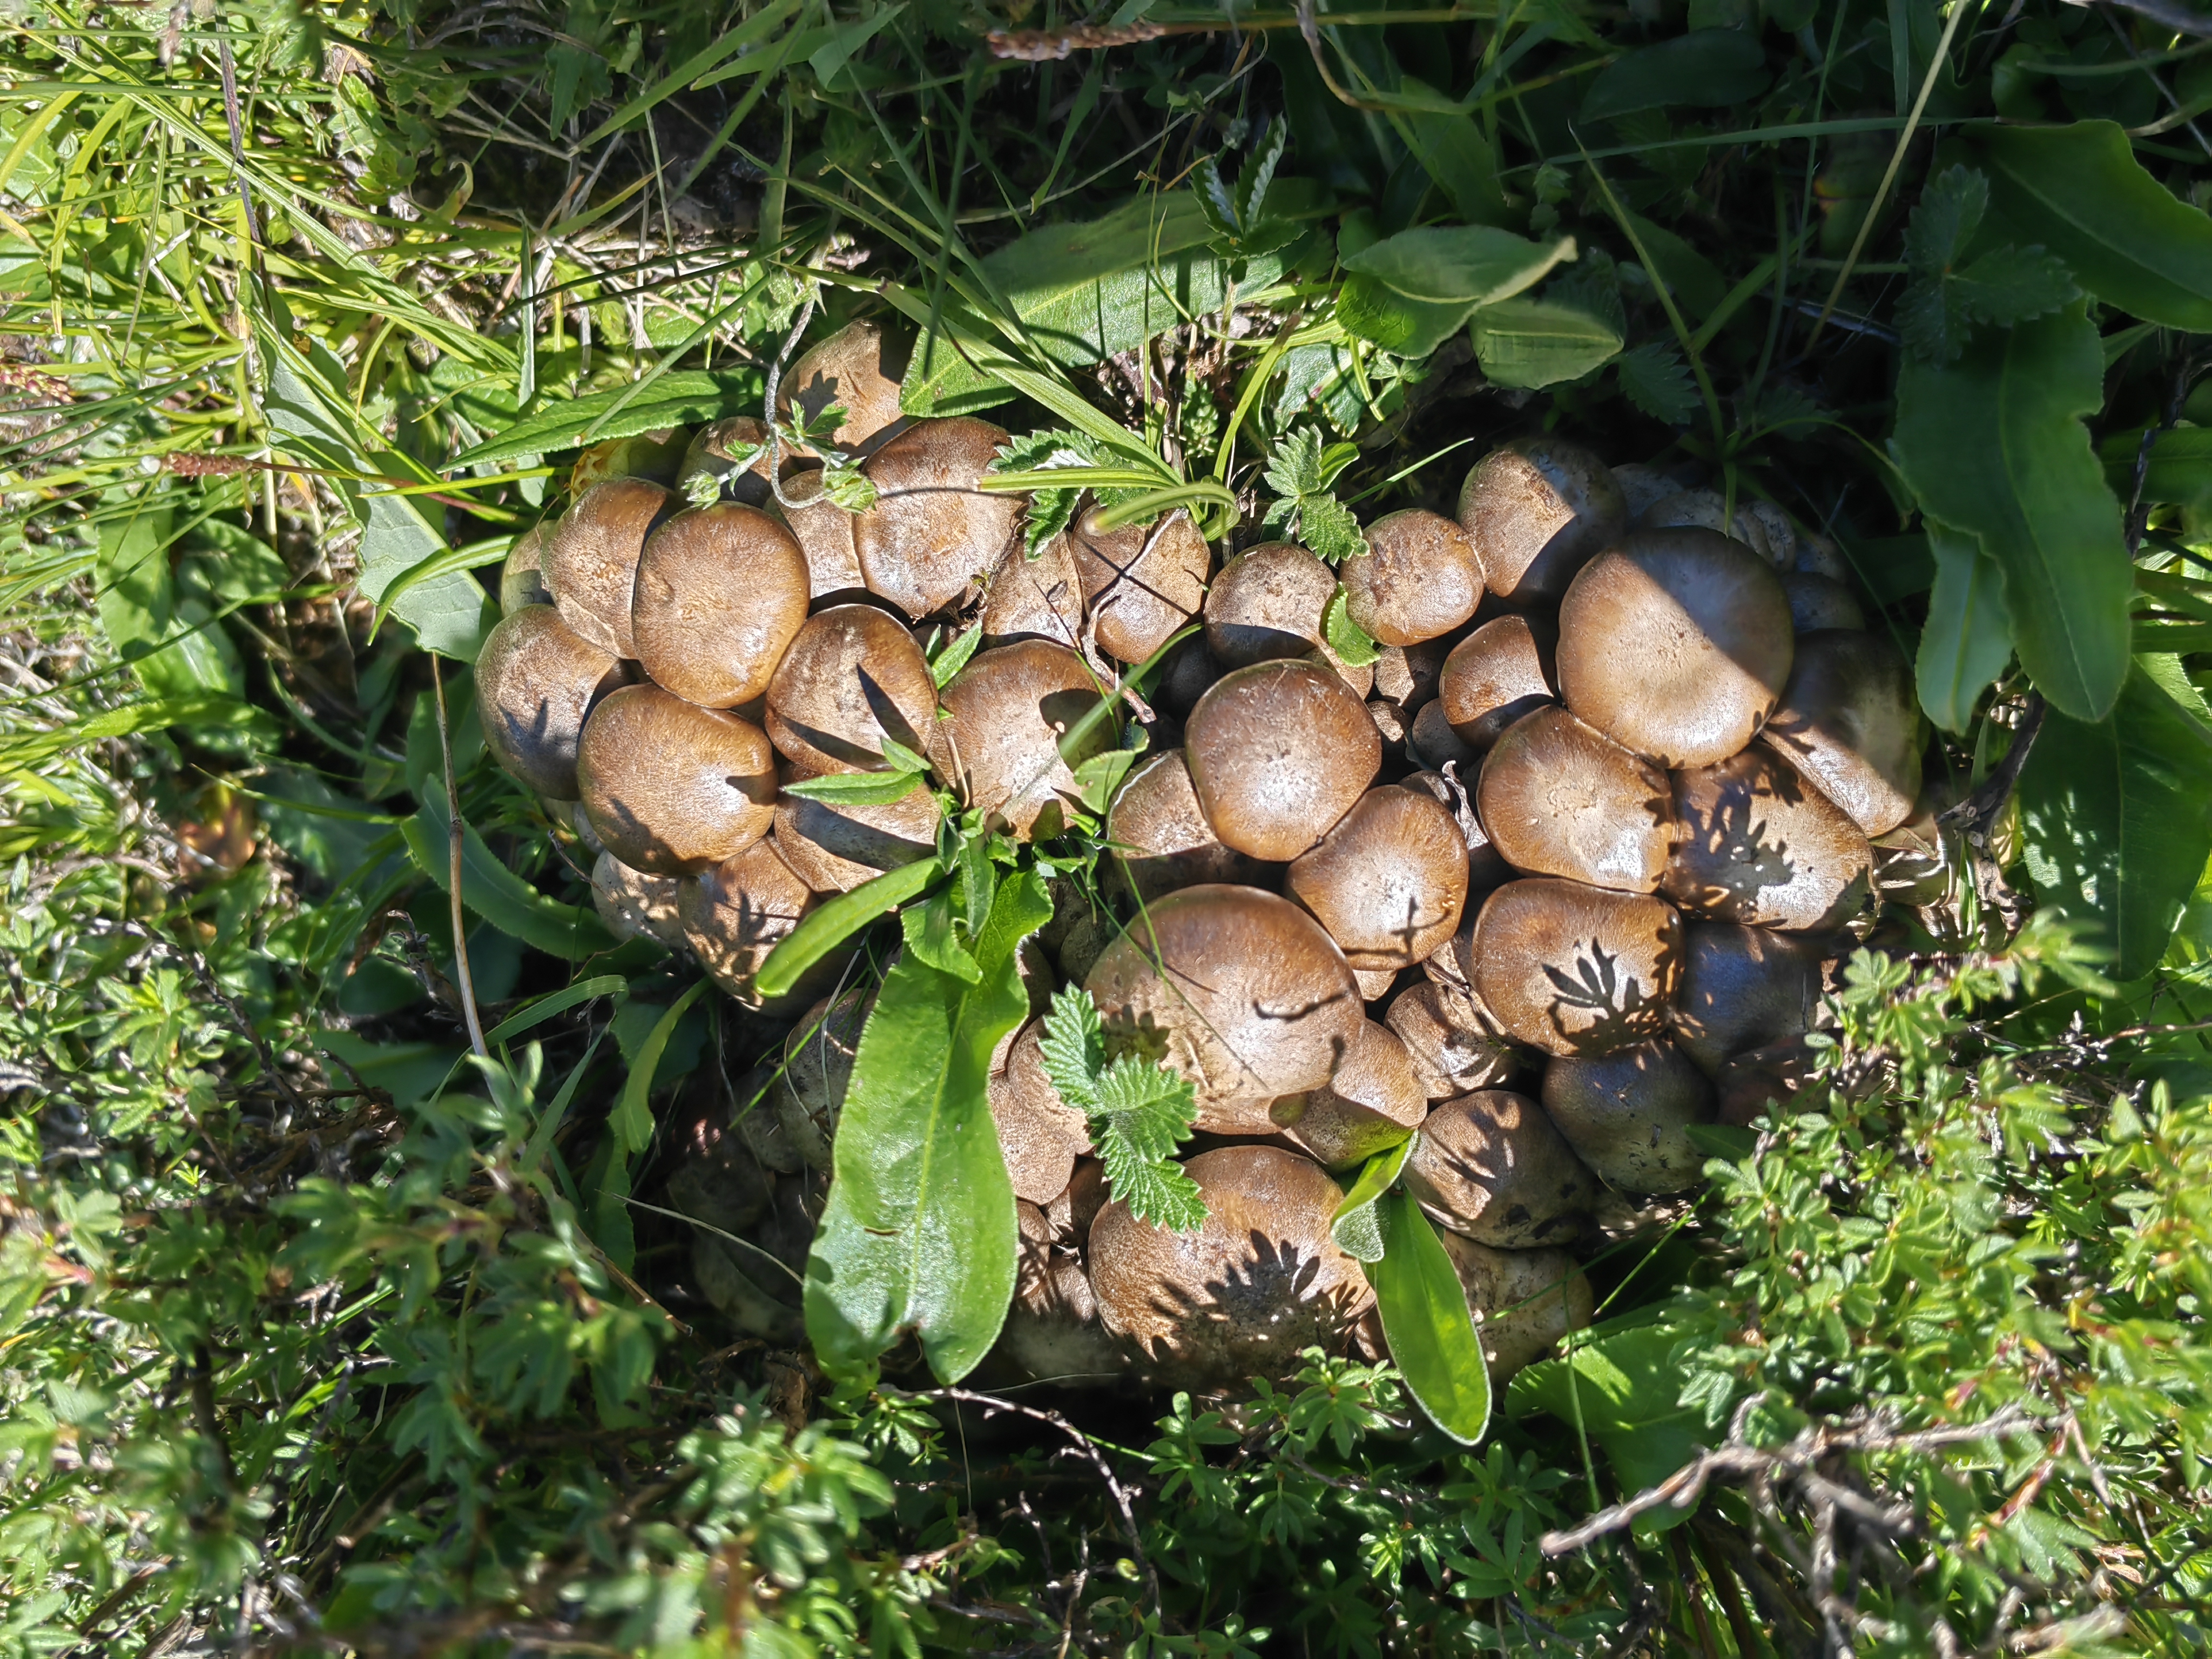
(823, 531)
(755, 1122)
(711, 456)
(834, 847)
(1643, 488)
(1916, 862)
(522, 578)
(1450, 1052)
(1537, 510)
(1373, 1102)
(1246, 1293)
(1278, 753)
(671, 787)
(1485, 865)
(655, 456)
(1267, 604)
(1523, 1301)
(1252, 998)
(1418, 581)
(1077, 1204)
(1038, 598)
(1160, 839)
(1743, 988)
(741, 1297)
(1052, 1333)
(1676, 644)
(1407, 675)
(1707, 509)
(1190, 668)
(537, 683)
(1849, 720)
(717, 1179)
(1821, 601)
(1007, 712)
(932, 532)
(1389, 881)
(852, 675)
(1141, 582)
(1627, 1115)
(1819, 556)
(818, 1067)
(591, 562)
(1753, 1084)
(1561, 798)
(1433, 743)
(1390, 720)
(857, 368)
(634, 905)
(1760, 845)
(1573, 969)
(1489, 1165)
(736, 913)
(1040, 1134)
(721, 592)
(1502, 671)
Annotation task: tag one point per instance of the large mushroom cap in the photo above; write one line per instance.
(932, 532)
(1040, 1134)
(737, 912)
(1278, 753)
(1762, 845)
(1502, 670)
(1628, 1114)
(1268, 603)
(1561, 798)
(1676, 644)
(1388, 881)
(818, 1067)
(1374, 1100)
(721, 592)
(1849, 720)
(591, 562)
(522, 577)
(823, 531)
(1707, 509)
(1141, 582)
(835, 847)
(536, 682)
(1491, 1166)
(1036, 597)
(671, 787)
(1523, 1301)
(1537, 510)
(1743, 988)
(1160, 839)
(1573, 969)
(1418, 581)
(634, 905)
(1244, 1294)
(1007, 714)
(717, 450)
(1818, 603)
(1251, 997)
(852, 675)
(1451, 1051)
(857, 369)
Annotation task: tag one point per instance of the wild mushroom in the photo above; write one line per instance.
(1278, 753)
(1418, 581)
(1743, 988)
(721, 592)
(857, 369)
(1760, 845)
(1523, 1301)
(671, 786)
(1558, 798)
(1628, 1115)
(1433, 744)
(1034, 597)
(716, 451)
(1643, 488)
(1159, 839)
(1140, 582)
(1849, 720)
(1492, 1167)
(1040, 1134)
(852, 675)
(1752, 1084)
(1537, 510)
(1487, 867)
(1268, 603)
(1388, 881)
(1052, 1333)
(823, 531)
(1707, 509)
(809, 1091)
(932, 533)
(737, 912)
(1373, 1101)
(537, 683)
(1572, 969)
(1407, 675)
(1821, 601)
(1505, 670)
(835, 846)
(634, 905)
(1451, 1051)
(591, 560)
(1007, 713)
(522, 578)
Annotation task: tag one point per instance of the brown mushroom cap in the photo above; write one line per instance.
(932, 533)
(1245, 1293)
(1450, 1052)
(1849, 720)
(1537, 510)
(1278, 753)
(1432, 743)
(1707, 509)
(1574, 969)
(536, 682)
(1268, 603)
(857, 368)
(835, 847)
(655, 456)
(1762, 845)
(1916, 862)
(1160, 838)
(852, 675)
(1676, 643)
(591, 562)
(1821, 601)
(1485, 865)
(1753, 1084)
(1743, 988)
(671, 787)
(1819, 556)
(717, 1179)
(1141, 582)
(1076, 1205)
(1500, 672)
(1389, 881)
(1643, 488)
(736, 913)
(1523, 1301)
(1407, 675)
(1052, 1333)
(1489, 1165)
(710, 456)
(634, 905)
(1038, 598)
(1561, 798)
(522, 578)
(823, 531)
(818, 1065)
(1627, 1115)
(1253, 999)
(1007, 712)
(1418, 581)
(1040, 1134)
(1374, 1100)
(721, 592)
(1186, 673)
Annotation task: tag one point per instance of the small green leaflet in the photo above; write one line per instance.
(1355, 1226)
(1236, 212)
(1098, 780)
(1945, 299)
(1425, 1321)
(1052, 511)
(1140, 1114)
(849, 488)
(866, 788)
(1655, 378)
(953, 657)
(1302, 475)
(1353, 644)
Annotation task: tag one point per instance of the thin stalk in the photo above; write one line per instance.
(454, 830)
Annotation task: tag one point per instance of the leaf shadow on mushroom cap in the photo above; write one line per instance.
(1762, 846)
(1573, 969)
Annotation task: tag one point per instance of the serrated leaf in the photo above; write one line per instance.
(1215, 200)
(1654, 378)
(1949, 212)
(1257, 174)
(1151, 1106)
(2013, 285)
(1073, 1047)
(1162, 1194)
(1294, 470)
(1329, 529)
(1354, 647)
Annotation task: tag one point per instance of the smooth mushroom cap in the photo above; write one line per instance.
(1754, 1083)
(823, 531)
(634, 905)
(721, 592)
(1040, 1134)
(1643, 488)
(1821, 601)
(1820, 556)
(852, 675)
(1523, 1301)
(522, 578)
(1249, 997)
(836, 847)
(857, 368)
(1432, 743)
(1676, 644)
(1373, 1102)
(1140, 582)
(1038, 598)
(1418, 581)
(932, 532)
(711, 456)
(1916, 862)
(1627, 1115)
(1268, 603)
(1485, 865)
(1451, 1051)
(1760, 845)
(1849, 720)
(671, 787)
(537, 683)
(1489, 1165)
(591, 562)
(1190, 668)
(1707, 509)
(1052, 1333)
(1278, 753)
(1537, 510)
(736, 913)
(1159, 839)
(1006, 713)
(717, 1178)
(1389, 881)
(1076, 1205)
(1572, 969)
(818, 1067)
(1743, 988)
(1558, 798)
(1502, 671)
(1408, 675)
(1243, 1294)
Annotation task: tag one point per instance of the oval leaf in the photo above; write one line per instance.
(1706, 69)
(1968, 641)
(1533, 343)
(1426, 1322)
(1462, 264)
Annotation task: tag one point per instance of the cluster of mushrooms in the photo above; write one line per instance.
(1556, 877)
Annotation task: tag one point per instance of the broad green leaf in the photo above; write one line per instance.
(681, 398)
(830, 925)
(1535, 343)
(494, 892)
(1706, 69)
(919, 1231)
(931, 935)
(1352, 643)
(1993, 445)
(2118, 819)
(1967, 639)
(1620, 1388)
(2180, 470)
(1425, 1321)
(1462, 264)
(1368, 308)
(1457, 157)
(444, 562)
(175, 649)
(1356, 1226)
